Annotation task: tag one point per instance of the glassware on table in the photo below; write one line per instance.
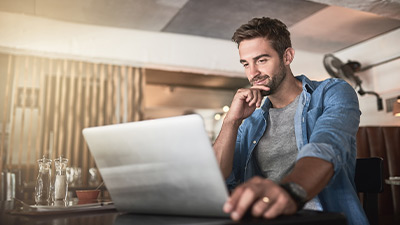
(10, 186)
(43, 182)
(93, 177)
(61, 183)
(74, 176)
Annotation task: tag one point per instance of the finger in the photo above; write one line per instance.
(240, 94)
(259, 99)
(250, 96)
(260, 96)
(261, 206)
(227, 208)
(260, 88)
(244, 202)
(256, 97)
(275, 208)
(230, 204)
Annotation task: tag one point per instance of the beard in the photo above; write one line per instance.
(274, 83)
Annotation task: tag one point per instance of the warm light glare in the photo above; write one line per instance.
(396, 108)
(217, 116)
(225, 108)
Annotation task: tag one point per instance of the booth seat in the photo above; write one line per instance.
(383, 142)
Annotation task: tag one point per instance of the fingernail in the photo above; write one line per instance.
(235, 216)
(227, 207)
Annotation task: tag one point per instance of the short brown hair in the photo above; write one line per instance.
(273, 30)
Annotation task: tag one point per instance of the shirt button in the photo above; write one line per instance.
(303, 119)
(254, 142)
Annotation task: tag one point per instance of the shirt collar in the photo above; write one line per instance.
(307, 84)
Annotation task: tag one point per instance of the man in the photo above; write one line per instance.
(300, 146)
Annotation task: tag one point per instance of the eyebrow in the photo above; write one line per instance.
(256, 58)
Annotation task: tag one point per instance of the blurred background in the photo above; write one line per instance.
(70, 64)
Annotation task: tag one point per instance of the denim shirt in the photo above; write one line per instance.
(326, 123)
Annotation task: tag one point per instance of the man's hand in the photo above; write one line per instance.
(245, 101)
(264, 197)
(243, 105)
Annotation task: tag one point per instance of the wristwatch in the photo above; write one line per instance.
(298, 194)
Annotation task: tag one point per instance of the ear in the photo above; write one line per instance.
(288, 56)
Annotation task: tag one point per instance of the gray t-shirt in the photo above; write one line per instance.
(276, 151)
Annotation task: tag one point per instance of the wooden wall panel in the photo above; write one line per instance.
(68, 96)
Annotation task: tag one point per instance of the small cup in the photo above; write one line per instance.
(86, 196)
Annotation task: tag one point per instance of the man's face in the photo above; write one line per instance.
(262, 64)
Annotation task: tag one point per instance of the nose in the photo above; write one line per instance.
(252, 71)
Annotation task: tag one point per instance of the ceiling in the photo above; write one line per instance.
(319, 26)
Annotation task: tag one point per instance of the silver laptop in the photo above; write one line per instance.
(162, 166)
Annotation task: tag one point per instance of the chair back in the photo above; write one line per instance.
(369, 182)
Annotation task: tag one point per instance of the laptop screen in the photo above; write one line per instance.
(162, 166)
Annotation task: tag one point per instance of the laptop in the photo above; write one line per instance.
(161, 166)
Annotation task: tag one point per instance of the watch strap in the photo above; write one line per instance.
(296, 192)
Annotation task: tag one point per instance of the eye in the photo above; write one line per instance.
(245, 65)
(261, 61)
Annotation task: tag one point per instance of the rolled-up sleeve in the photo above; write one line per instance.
(332, 124)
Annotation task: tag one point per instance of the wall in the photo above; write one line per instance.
(383, 79)
(52, 38)
(35, 35)
(23, 33)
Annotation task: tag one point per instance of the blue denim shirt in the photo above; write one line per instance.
(326, 124)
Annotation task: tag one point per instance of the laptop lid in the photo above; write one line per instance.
(162, 166)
